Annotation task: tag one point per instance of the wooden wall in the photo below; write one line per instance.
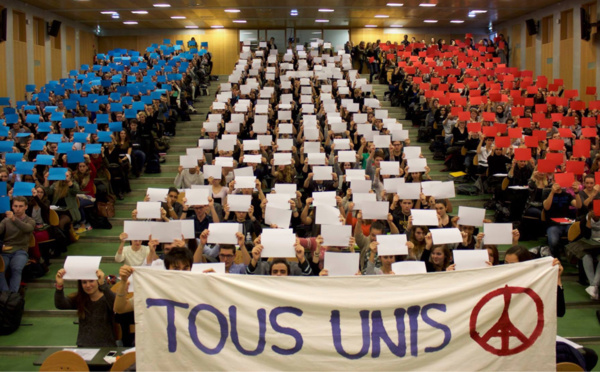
(530, 52)
(547, 47)
(222, 43)
(20, 68)
(588, 57)
(3, 77)
(70, 34)
(516, 47)
(88, 45)
(373, 34)
(39, 65)
(566, 48)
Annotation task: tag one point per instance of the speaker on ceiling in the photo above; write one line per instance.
(54, 28)
(3, 16)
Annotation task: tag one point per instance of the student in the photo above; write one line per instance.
(279, 266)
(132, 255)
(94, 302)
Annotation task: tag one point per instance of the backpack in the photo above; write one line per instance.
(12, 306)
(153, 165)
(467, 189)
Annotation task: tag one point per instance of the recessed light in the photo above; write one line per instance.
(130, 23)
(216, 26)
(396, 26)
(394, 4)
(382, 16)
(162, 5)
(472, 15)
(370, 26)
(427, 5)
(178, 17)
(321, 20)
(108, 12)
(232, 10)
(317, 33)
(326, 10)
(478, 11)
(457, 21)
(191, 26)
(239, 21)
(139, 11)
(430, 21)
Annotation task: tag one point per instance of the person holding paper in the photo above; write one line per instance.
(396, 151)
(590, 192)
(386, 261)
(177, 259)
(17, 228)
(492, 248)
(132, 255)
(279, 266)
(200, 215)
(418, 242)
(94, 303)
(436, 258)
(586, 248)
(225, 253)
(172, 206)
(401, 213)
(63, 194)
(218, 190)
(557, 206)
(187, 177)
(363, 242)
(250, 224)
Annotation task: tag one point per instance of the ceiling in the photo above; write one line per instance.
(260, 14)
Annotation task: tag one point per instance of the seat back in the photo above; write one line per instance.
(64, 361)
(568, 366)
(53, 216)
(574, 231)
(124, 362)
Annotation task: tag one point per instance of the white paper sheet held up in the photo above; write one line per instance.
(375, 210)
(137, 230)
(196, 196)
(497, 233)
(409, 267)
(327, 215)
(239, 203)
(469, 216)
(218, 267)
(410, 190)
(148, 210)
(223, 233)
(466, 259)
(424, 217)
(341, 263)
(412, 152)
(416, 165)
(157, 195)
(446, 235)
(278, 243)
(322, 173)
(391, 245)
(278, 216)
(81, 267)
(336, 236)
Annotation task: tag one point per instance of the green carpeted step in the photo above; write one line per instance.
(43, 331)
(579, 323)
(18, 362)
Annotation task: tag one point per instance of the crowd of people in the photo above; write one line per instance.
(299, 141)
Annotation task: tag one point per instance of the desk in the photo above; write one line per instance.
(96, 364)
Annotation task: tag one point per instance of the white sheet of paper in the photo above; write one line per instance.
(336, 235)
(316, 158)
(429, 188)
(324, 198)
(375, 210)
(382, 141)
(148, 210)
(81, 267)
(196, 196)
(347, 156)
(497, 233)
(225, 162)
(327, 215)
(250, 145)
(86, 354)
(390, 185)
(223, 233)
(342, 143)
(409, 267)
(322, 173)
(412, 152)
(391, 168)
(391, 245)
(341, 263)
(239, 203)
(355, 174)
(245, 182)
(157, 195)
(165, 232)
(278, 216)
(285, 144)
(195, 151)
(214, 171)
(278, 243)
(416, 165)
(359, 198)
(281, 201)
(410, 190)
(424, 217)
(252, 159)
(466, 259)
(137, 230)
(186, 228)
(445, 190)
(361, 186)
(218, 267)
(282, 158)
(446, 235)
(188, 161)
(206, 144)
(286, 188)
(469, 216)
(312, 147)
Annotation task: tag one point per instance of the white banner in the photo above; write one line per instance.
(499, 318)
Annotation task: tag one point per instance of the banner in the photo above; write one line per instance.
(498, 318)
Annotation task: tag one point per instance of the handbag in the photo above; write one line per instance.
(107, 208)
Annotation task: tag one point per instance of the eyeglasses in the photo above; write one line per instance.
(226, 256)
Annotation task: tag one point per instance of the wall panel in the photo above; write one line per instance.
(566, 63)
(516, 47)
(547, 47)
(70, 34)
(530, 52)
(3, 76)
(588, 57)
(88, 46)
(56, 61)
(20, 68)
(39, 65)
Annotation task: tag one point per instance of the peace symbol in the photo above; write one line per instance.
(504, 328)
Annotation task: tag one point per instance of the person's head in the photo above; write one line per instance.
(227, 255)
(406, 205)
(493, 255)
(517, 253)
(440, 207)
(179, 258)
(441, 256)
(419, 233)
(82, 167)
(173, 194)
(280, 267)
(376, 229)
(387, 261)
(589, 182)
(467, 229)
(19, 205)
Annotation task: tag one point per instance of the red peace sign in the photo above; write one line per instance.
(504, 328)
